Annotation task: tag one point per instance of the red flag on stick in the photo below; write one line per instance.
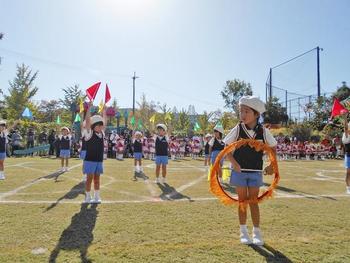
(338, 109)
(92, 91)
(107, 95)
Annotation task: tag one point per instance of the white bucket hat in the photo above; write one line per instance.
(96, 119)
(162, 126)
(253, 102)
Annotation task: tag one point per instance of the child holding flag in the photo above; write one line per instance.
(247, 164)
(93, 162)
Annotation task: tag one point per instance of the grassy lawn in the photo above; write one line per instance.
(42, 218)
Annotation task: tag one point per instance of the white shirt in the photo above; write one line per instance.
(345, 140)
(232, 136)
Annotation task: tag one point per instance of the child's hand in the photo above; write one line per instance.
(236, 167)
(268, 170)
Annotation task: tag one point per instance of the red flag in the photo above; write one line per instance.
(92, 91)
(107, 94)
(338, 108)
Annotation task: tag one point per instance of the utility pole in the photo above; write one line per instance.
(318, 72)
(133, 93)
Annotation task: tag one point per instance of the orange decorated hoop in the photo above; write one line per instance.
(216, 187)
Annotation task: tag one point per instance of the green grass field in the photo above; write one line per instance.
(42, 218)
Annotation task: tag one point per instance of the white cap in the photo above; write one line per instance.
(219, 129)
(208, 135)
(95, 119)
(138, 133)
(65, 128)
(162, 126)
(2, 122)
(253, 102)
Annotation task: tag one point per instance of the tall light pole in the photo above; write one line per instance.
(133, 93)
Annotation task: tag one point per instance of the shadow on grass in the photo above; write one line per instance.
(293, 191)
(140, 175)
(72, 194)
(271, 255)
(227, 187)
(169, 193)
(78, 235)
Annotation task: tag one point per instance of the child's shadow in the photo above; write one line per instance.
(169, 193)
(72, 194)
(270, 254)
(78, 235)
(140, 175)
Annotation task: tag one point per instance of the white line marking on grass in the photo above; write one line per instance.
(35, 181)
(198, 199)
(17, 164)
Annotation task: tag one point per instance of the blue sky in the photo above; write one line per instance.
(183, 50)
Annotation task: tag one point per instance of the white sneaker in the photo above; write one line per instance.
(84, 177)
(347, 189)
(157, 181)
(87, 198)
(96, 199)
(2, 176)
(257, 237)
(62, 169)
(244, 237)
(66, 169)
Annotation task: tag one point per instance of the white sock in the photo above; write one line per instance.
(97, 193)
(243, 228)
(347, 188)
(256, 229)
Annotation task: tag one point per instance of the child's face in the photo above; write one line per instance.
(161, 132)
(138, 136)
(2, 128)
(217, 134)
(98, 128)
(247, 115)
(64, 132)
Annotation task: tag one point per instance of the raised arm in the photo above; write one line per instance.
(88, 117)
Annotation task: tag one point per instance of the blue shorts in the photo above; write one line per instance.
(213, 156)
(65, 153)
(82, 154)
(2, 156)
(138, 156)
(246, 179)
(92, 167)
(161, 160)
(347, 161)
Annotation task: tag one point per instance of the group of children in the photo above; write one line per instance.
(246, 162)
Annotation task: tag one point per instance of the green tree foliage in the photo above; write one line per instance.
(320, 112)
(343, 92)
(233, 91)
(275, 113)
(72, 97)
(21, 92)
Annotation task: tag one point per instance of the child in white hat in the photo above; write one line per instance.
(137, 144)
(216, 145)
(65, 143)
(93, 162)
(162, 149)
(248, 164)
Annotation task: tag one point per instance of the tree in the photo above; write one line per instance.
(275, 113)
(233, 91)
(72, 97)
(48, 110)
(204, 121)
(320, 112)
(343, 92)
(182, 125)
(21, 91)
(146, 111)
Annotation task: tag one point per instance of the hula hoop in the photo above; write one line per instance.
(215, 186)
